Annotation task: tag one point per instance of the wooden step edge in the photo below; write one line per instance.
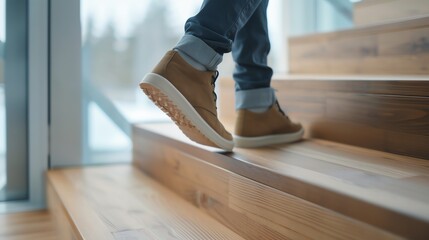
(413, 22)
(403, 220)
(120, 202)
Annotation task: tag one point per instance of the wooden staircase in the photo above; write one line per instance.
(312, 189)
(362, 171)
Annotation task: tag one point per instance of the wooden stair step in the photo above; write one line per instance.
(393, 48)
(380, 11)
(120, 202)
(311, 189)
(386, 113)
(38, 225)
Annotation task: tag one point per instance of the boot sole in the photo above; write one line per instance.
(177, 107)
(251, 142)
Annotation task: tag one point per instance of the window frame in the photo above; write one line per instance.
(70, 92)
(37, 110)
(67, 139)
(16, 84)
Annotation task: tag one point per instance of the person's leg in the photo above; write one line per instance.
(250, 51)
(182, 84)
(210, 33)
(260, 120)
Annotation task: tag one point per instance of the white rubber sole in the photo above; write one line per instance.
(175, 105)
(251, 142)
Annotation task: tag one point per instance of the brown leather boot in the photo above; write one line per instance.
(266, 128)
(187, 96)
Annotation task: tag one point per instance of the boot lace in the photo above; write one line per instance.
(214, 78)
(280, 109)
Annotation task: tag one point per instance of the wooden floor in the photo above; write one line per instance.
(120, 202)
(27, 226)
(388, 191)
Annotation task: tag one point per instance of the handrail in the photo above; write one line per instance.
(342, 7)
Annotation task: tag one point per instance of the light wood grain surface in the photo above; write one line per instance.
(111, 202)
(28, 225)
(391, 116)
(394, 48)
(381, 11)
(370, 190)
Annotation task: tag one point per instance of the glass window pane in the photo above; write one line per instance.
(2, 129)
(122, 41)
(2, 100)
(315, 16)
(13, 100)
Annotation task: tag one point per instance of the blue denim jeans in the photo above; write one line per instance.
(240, 26)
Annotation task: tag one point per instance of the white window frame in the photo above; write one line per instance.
(38, 129)
(67, 140)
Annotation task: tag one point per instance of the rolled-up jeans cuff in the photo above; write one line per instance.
(255, 98)
(199, 51)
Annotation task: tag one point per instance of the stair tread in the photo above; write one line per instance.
(336, 176)
(119, 201)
